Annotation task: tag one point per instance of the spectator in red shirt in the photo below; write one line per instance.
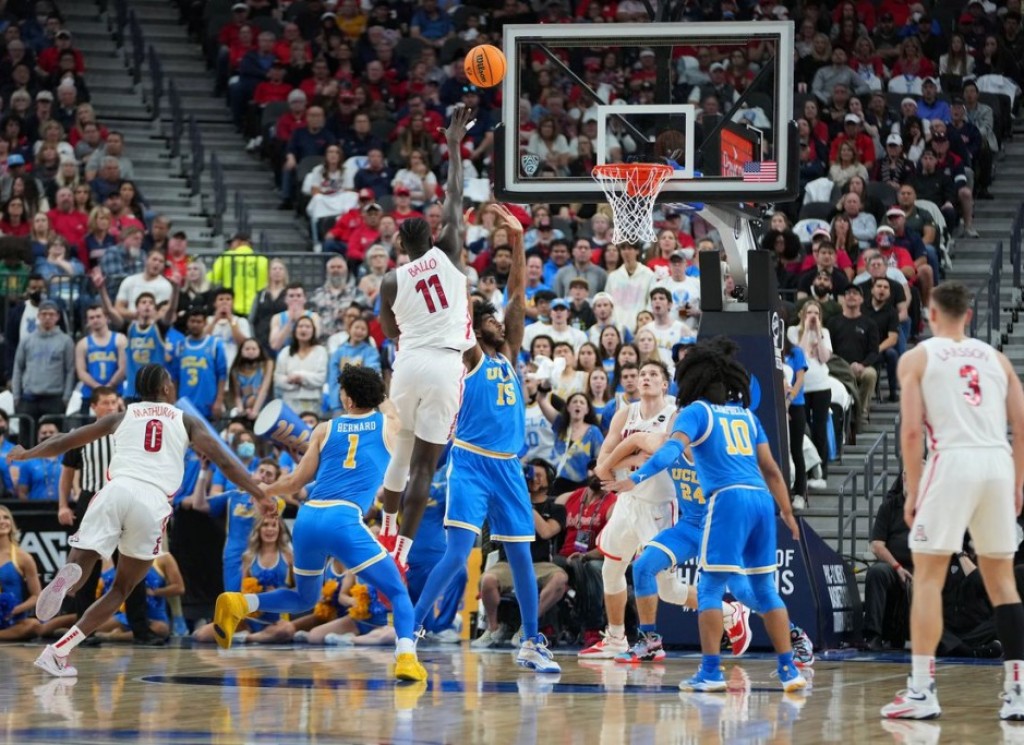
(228, 33)
(69, 223)
(244, 43)
(363, 236)
(337, 237)
(417, 106)
(177, 258)
(290, 35)
(285, 126)
(47, 62)
(13, 222)
(403, 206)
(271, 90)
(313, 86)
(853, 133)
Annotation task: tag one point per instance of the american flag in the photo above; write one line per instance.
(760, 173)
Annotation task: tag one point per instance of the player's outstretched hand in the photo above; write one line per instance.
(17, 453)
(505, 219)
(456, 130)
(268, 505)
(791, 523)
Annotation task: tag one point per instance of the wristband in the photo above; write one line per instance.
(898, 566)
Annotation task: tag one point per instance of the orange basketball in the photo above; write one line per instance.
(485, 66)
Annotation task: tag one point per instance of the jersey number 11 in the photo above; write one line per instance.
(424, 286)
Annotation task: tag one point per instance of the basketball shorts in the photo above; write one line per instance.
(335, 528)
(634, 523)
(739, 532)
(426, 387)
(681, 542)
(492, 489)
(128, 515)
(966, 489)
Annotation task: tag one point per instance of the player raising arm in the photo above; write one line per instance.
(425, 310)
(129, 513)
(736, 469)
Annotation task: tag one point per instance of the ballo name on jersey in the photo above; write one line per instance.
(417, 268)
(154, 411)
(368, 426)
(977, 353)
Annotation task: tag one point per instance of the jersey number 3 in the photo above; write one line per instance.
(154, 437)
(973, 393)
(424, 287)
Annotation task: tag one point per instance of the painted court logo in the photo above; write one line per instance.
(530, 164)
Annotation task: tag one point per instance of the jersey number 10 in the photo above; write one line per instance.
(424, 287)
(737, 437)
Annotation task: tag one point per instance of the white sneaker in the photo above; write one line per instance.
(55, 665)
(739, 631)
(448, 636)
(301, 637)
(913, 704)
(517, 638)
(488, 639)
(52, 597)
(536, 656)
(913, 733)
(817, 484)
(1013, 704)
(799, 503)
(607, 648)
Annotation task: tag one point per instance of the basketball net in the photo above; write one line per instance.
(631, 189)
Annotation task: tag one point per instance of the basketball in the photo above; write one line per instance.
(485, 66)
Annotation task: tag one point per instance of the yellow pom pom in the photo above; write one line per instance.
(361, 610)
(251, 586)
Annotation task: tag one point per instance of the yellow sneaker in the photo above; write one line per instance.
(230, 611)
(407, 667)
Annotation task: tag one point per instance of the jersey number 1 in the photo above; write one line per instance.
(424, 287)
(154, 437)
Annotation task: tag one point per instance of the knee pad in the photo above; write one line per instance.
(711, 590)
(613, 574)
(397, 473)
(671, 588)
(765, 594)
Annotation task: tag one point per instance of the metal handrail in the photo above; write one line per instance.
(862, 487)
(156, 74)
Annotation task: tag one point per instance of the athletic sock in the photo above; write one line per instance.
(922, 673)
(253, 601)
(389, 523)
(648, 628)
(711, 664)
(69, 641)
(1013, 673)
(402, 547)
(616, 630)
(728, 614)
(786, 660)
(405, 646)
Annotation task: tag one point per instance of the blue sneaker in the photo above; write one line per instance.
(535, 655)
(704, 682)
(791, 678)
(179, 627)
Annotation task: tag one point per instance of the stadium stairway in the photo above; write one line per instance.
(162, 179)
(972, 260)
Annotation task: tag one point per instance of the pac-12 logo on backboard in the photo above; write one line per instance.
(530, 164)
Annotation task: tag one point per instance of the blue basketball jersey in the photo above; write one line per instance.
(12, 584)
(202, 369)
(724, 442)
(352, 460)
(100, 362)
(145, 346)
(249, 385)
(689, 495)
(492, 417)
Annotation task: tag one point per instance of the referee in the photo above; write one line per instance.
(91, 462)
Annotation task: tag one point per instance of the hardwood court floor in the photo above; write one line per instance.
(316, 695)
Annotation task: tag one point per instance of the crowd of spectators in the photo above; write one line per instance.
(345, 101)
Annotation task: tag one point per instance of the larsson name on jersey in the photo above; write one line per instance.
(369, 426)
(151, 411)
(419, 267)
(978, 353)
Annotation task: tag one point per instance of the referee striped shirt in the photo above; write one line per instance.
(92, 460)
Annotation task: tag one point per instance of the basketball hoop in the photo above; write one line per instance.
(631, 189)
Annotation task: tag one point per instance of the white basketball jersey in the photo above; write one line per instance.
(540, 437)
(432, 305)
(964, 389)
(150, 444)
(658, 488)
